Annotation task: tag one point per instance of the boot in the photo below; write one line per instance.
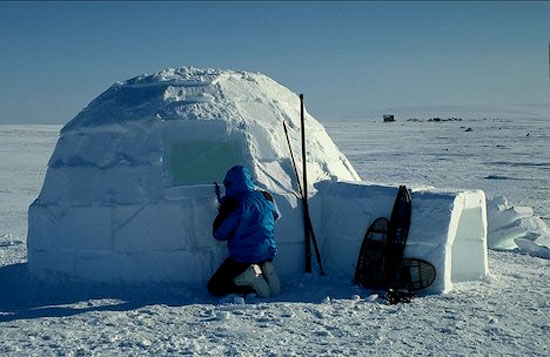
(252, 277)
(270, 275)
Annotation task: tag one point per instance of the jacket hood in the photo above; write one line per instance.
(238, 180)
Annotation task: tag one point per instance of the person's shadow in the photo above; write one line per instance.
(22, 296)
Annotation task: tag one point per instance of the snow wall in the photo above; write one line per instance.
(128, 194)
(448, 228)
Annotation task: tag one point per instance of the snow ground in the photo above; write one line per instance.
(509, 313)
(496, 156)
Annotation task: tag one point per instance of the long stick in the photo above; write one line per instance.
(307, 221)
(304, 188)
(315, 247)
(293, 160)
(308, 227)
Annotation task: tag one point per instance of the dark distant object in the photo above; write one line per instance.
(527, 134)
(468, 130)
(435, 119)
(497, 177)
(438, 119)
(388, 118)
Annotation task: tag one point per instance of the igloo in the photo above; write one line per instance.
(128, 194)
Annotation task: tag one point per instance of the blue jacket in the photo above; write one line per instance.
(246, 219)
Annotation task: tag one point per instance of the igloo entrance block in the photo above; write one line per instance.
(448, 228)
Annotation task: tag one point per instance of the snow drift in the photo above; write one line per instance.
(128, 193)
(516, 227)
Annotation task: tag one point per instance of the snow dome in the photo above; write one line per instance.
(128, 194)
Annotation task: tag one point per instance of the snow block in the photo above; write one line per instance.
(83, 186)
(290, 259)
(193, 267)
(448, 228)
(167, 226)
(289, 228)
(105, 147)
(199, 223)
(47, 263)
(55, 227)
(115, 267)
(148, 228)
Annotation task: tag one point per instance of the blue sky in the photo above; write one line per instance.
(347, 57)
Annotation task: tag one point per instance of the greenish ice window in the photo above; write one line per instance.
(202, 162)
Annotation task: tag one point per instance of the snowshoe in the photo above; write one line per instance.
(413, 275)
(398, 231)
(369, 271)
(399, 296)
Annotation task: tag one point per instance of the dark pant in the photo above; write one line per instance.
(221, 283)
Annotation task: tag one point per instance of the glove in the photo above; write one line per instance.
(227, 206)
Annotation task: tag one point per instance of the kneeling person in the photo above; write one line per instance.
(246, 220)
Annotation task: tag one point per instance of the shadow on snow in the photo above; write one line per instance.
(25, 297)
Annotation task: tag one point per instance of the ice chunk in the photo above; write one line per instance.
(532, 248)
(508, 223)
(372, 298)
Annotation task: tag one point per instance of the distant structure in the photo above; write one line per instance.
(388, 118)
(549, 63)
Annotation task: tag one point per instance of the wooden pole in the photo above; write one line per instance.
(304, 188)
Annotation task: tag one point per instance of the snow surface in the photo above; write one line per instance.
(507, 313)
